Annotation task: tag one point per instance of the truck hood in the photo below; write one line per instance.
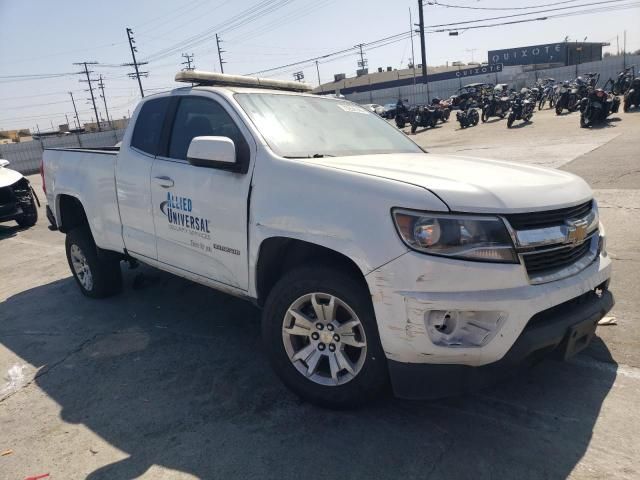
(8, 177)
(468, 184)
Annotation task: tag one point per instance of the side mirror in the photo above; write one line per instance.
(3, 162)
(212, 152)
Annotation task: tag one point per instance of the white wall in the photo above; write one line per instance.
(26, 157)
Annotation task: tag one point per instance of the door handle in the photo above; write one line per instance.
(164, 182)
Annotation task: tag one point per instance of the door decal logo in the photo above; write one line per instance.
(178, 211)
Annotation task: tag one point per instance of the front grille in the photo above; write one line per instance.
(550, 218)
(554, 259)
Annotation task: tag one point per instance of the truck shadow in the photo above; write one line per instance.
(172, 374)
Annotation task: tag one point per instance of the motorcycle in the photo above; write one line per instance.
(467, 117)
(423, 116)
(494, 106)
(624, 81)
(443, 109)
(521, 108)
(547, 95)
(632, 97)
(402, 115)
(597, 106)
(567, 98)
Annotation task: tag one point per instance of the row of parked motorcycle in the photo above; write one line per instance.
(595, 104)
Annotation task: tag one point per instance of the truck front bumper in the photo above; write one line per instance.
(559, 332)
(494, 308)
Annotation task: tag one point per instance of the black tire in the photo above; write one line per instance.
(400, 122)
(510, 121)
(370, 381)
(559, 110)
(485, 115)
(584, 121)
(414, 127)
(104, 267)
(626, 106)
(29, 215)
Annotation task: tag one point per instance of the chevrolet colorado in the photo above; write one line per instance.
(372, 260)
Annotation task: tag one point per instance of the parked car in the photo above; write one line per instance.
(375, 108)
(18, 200)
(389, 110)
(372, 260)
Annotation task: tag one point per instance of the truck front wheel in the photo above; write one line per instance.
(98, 276)
(320, 333)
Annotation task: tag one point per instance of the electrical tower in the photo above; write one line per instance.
(137, 74)
(220, 52)
(87, 72)
(299, 76)
(104, 99)
(75, 110)
(189, 64)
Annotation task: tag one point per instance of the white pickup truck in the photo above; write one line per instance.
(373, 261)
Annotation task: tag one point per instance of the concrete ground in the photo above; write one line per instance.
(167, 380)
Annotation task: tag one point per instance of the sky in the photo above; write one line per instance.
(40, 37)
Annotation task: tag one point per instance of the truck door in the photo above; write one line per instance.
(200, 213)
(133, 171)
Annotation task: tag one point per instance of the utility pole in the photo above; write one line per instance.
(75, 110)
(104, 99)
(188, 61)
(220, 52)
(624, 51)
(423, 47)
(318, 71)
(137, 74)
(413, 56)
(89, 80)
(362, 63)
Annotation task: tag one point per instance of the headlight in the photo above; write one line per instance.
(457, 236)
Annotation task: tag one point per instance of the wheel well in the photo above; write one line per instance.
(72, 213)
(278, 255)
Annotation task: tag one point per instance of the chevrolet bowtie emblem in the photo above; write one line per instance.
(576, 231)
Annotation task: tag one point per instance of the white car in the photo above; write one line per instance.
(375, 108)
(372, 260)
(17, 198)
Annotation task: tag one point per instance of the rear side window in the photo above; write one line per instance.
(197, 116)
(148, 129)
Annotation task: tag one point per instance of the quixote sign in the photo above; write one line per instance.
(479, 70)
(549, 53)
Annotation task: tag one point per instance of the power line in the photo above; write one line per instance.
(524, 14)
(440, 4)
(89, 80)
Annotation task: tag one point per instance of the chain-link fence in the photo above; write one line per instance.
(25, 157)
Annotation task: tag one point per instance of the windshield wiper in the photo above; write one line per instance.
(315, 155)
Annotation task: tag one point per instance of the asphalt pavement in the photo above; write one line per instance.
(167, 380)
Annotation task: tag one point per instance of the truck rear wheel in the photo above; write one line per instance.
(321, 336)
(98, 276)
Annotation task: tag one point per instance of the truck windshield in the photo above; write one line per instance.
(298, 126)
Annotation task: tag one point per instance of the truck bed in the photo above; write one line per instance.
(87, 174)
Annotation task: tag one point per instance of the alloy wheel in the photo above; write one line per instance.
(324, 339)
(81, 267)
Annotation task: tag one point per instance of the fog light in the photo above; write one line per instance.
(454, 328)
